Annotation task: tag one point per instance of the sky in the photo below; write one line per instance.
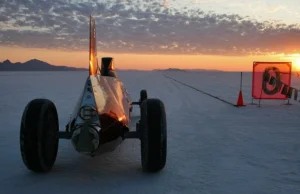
(150, 34)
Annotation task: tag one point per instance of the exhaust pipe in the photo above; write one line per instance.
(85, 138)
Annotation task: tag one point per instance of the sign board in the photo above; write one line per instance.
(271, 80)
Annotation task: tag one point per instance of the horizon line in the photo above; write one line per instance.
(133, 69)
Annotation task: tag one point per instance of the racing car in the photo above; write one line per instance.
(100, 121)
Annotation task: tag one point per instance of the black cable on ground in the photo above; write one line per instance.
(215, 97)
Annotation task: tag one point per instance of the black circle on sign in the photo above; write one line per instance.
(277, 84)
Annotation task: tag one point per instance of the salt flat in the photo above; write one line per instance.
(213, 147)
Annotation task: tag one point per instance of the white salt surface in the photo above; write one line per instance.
(213, 147)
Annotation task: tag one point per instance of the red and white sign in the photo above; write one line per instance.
(270, 78)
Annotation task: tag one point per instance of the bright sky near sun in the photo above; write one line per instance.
(205, 34)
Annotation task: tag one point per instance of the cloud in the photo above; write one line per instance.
(140, 27)
(276, 9)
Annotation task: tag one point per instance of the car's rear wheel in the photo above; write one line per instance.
(153, 129)
(38, 135)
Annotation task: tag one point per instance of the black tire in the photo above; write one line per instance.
(143, 95)
(38, 135)
(153, 129)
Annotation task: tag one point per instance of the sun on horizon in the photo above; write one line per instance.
(296, 64)
(295, 59)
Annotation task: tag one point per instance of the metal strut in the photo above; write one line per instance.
(133, 134)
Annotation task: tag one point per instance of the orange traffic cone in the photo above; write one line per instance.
(240, 101)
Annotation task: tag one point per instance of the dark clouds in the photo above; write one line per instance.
(140, 27)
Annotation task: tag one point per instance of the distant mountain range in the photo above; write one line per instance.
(35, 65)
(38, 65)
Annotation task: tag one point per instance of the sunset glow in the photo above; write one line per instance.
(297, 64)
(294, 58)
